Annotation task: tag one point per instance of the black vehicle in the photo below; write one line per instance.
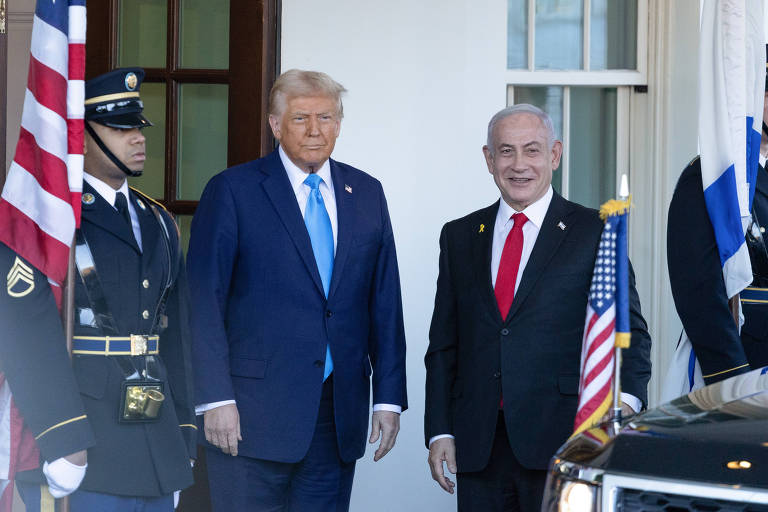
(706, 451)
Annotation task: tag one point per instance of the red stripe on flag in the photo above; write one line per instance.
(600, 366)
(48, 87)
(600, 338)
(76, 61)
(25, 237)
(49, 170)
(587, 409)
(75, 129)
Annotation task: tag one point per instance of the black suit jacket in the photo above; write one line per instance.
(137, 459)
(533, 355)
(698, 289)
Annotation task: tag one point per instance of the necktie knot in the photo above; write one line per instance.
(313, 181)
(519, 220)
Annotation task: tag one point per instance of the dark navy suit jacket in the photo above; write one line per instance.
(262, 322)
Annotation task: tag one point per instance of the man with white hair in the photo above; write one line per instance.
(296, 301)
(505, 341)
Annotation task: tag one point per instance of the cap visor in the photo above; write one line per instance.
(124, 121)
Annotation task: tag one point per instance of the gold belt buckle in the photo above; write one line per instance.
(139, 344)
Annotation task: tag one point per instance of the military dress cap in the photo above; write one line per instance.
(112, 99)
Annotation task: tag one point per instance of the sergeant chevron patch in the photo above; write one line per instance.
(20, 279)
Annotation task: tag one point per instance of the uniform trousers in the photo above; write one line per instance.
(320, 482)
(37, 499)
(503, 485)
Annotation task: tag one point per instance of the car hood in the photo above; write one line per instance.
(718, 433)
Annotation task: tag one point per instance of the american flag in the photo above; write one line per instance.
(40, 203)
(607, 312)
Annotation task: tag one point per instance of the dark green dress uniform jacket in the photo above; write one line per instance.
(33, 357)
(136, 459)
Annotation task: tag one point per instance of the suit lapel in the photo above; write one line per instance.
(482, 245)
(345, 222)
(549, 239)
(104, 215)
(280, 193)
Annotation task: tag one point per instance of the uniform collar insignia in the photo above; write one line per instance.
(88, 198)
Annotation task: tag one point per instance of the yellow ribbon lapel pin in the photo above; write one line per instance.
(20, 280)
(482, 228)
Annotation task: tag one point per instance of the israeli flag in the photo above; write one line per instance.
(731, 95)
(731, 92)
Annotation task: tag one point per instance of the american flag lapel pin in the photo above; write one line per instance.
(561, 225)
(348, 188)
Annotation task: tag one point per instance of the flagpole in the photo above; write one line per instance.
(68, 319)
(616, 417)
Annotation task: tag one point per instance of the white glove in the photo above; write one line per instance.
(63, 477)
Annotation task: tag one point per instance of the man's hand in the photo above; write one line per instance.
(626, 412)
(65, 474)
(387, 424)
(222, 428)
(443, 450)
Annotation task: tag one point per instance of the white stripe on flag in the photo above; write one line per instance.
(50, 46)
(53, 215)
(75, 172)
(600, 352)
(597, 383)
(48, 127)
(77, 24)
(76, 99)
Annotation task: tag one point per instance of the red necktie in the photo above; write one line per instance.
(509, 265)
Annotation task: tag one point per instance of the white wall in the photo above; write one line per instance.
(424, 78)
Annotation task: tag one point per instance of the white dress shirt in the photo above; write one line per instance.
(110, 195)
(535, 213)
(297, 177)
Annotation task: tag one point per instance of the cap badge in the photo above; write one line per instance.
(131, 81)
(20, 273)
(88, 198)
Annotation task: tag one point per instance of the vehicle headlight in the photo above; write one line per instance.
(576, 497)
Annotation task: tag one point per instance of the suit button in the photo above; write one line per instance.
(145, 314)
(497, 375)
(329, 313)
(145, 283)
(319, 364)
(504, 331)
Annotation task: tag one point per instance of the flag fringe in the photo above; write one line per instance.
(593, 418)
(622, 339)
(615, 207)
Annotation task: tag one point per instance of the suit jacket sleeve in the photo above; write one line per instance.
(440, 360)
(34, 359)
(175, 345)
(386, 344)
(697, 282)
(636, 361)
(210, 262)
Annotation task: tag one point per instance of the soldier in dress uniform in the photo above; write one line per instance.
(696, 276)
(131, 354)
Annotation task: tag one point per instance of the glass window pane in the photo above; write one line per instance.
(142, 33)
(204, 34)
(185, 223)
(592, 151)
(613, 34)
(517, 34)
(153, 180)
(202, 146)
(550, 100)
(559, 34)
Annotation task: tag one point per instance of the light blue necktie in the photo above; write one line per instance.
(321, 235)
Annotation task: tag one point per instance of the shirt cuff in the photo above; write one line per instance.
(388, 407)
(200, 409)
(632, 401)
(441, 436)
